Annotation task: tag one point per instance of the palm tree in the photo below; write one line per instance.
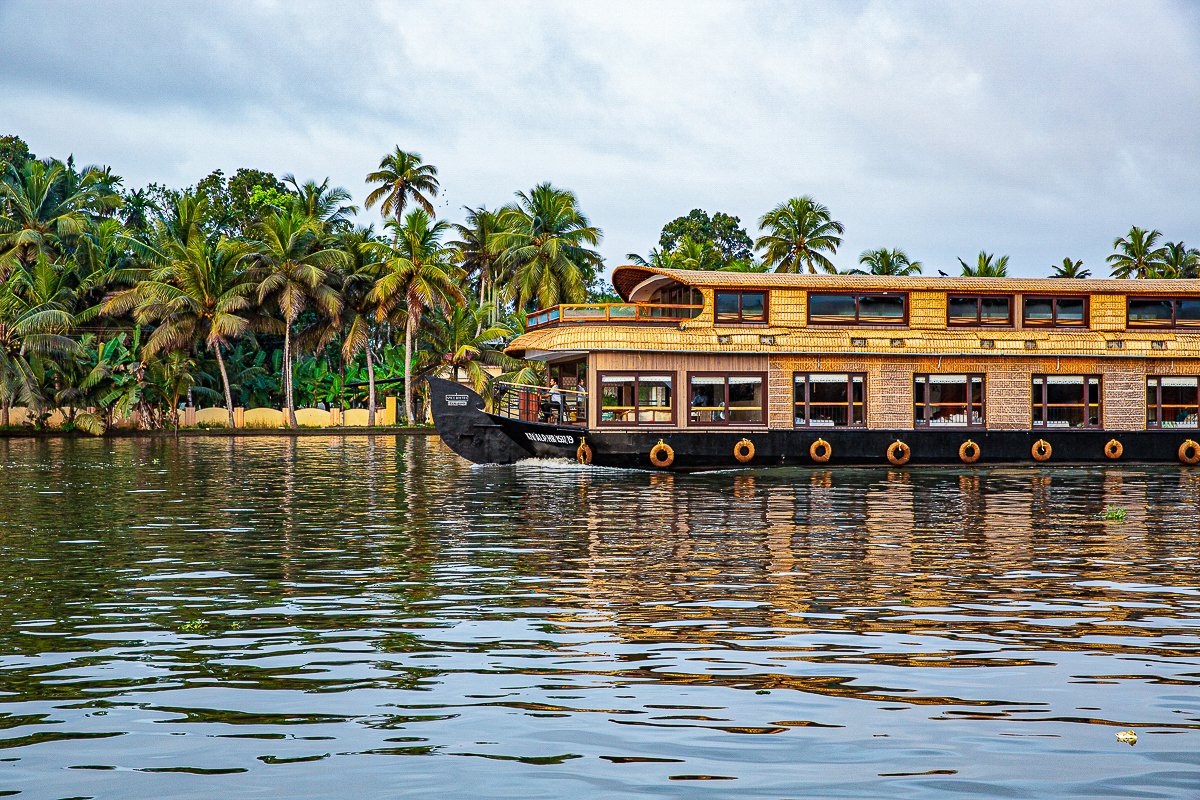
(417, 275)
(656, 259)
(481, 255)
(459, 340)
(799, 232)
(294, 271)
(329, 205)
(403, 177)
(45, 206)
(887, 262)
(1070, 268)
(34, 323)
(1136, 256)
(199, 292)
(1180, 261)
(545, 240)
(985, 267)
(360, 273)
(690, 254)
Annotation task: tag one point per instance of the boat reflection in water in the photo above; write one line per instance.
(241, 618)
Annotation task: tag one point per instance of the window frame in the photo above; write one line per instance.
(637, 376)
(762, 376)
(1085, 324)
(857, 321)
(850, 376)
(1157, 425)
(741, 320)
(925, 424)
(979, 298)
(1046, 405)
(1172, 325)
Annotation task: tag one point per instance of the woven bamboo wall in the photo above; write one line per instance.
(789, 308)
(927, 310)
(1107, 312)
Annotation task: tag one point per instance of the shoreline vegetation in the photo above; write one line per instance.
(126, 307)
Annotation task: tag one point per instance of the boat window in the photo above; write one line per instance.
(829, 400)
(978, 310)
(857, 309)
(1066, 401)
(948, 400)
(1172, 401)
(636, 398)
(741, 306)
(719, 399)
(1055, 312)
(1163, 312)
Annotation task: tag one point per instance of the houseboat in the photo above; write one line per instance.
(704, 370)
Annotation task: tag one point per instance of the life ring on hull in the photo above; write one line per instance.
(1041, 450)
(583, 453)
(899, 453)
(969, 452)
(743, 451)
(1189, 452)
(820, 451)
(661, 455)
(1114, 449)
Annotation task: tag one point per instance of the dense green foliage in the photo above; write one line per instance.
(252, 290)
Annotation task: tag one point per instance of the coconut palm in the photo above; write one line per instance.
(330, 205)
(418, 275)
(546, 240)
(294, 269)
(1180, 261)
(198, 293)
(45, 206)
(799, 232)
(985, 266)
(1070, 268)
(403, 177)
(690, 254)
(1136, 254)
(656, 259)
(34, 324)
(481, 256)
(887, 262)
(460, 340)
(360, 273)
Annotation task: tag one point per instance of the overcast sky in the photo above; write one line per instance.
(1040, 130)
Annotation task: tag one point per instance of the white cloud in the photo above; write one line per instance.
(1038, 130)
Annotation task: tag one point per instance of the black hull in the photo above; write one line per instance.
(487, 439)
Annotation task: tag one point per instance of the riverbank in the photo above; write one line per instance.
(128, 433)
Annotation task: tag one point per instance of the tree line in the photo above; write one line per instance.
(801, 235)
(253, 290)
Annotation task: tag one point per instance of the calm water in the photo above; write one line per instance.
(372, 617)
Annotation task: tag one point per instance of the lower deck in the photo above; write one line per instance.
(646, 392)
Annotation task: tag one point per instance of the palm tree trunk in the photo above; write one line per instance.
(370, 387)
(225, 383)
(408, 344)
(287, 376)
(5, 419)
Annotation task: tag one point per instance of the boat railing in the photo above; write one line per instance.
(611, 312)
(555, 406)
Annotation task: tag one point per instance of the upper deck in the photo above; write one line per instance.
(713, 312)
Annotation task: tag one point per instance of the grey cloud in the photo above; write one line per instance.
(1035, 129)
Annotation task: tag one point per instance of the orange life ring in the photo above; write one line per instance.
(1189, 452)
(661, 455)
(1041, 450)
(583, 454)
(743, 451)
(820, 451)
(1114, 449)
(969, 452)
(899, 453)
